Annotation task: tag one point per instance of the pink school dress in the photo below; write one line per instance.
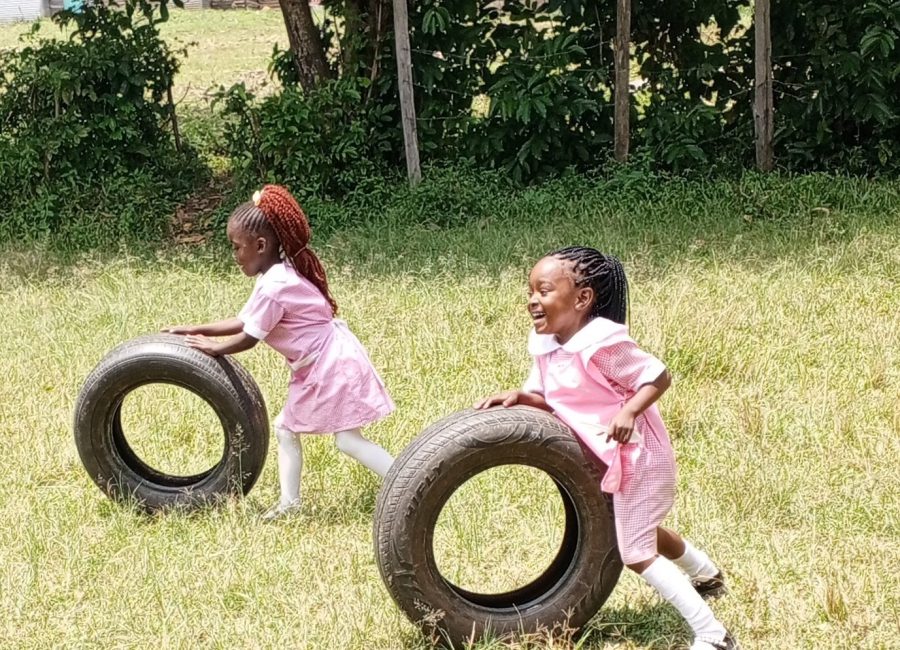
(333, 385)
(586, 382)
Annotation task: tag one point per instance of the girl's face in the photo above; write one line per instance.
(253, 254)
(556, 305)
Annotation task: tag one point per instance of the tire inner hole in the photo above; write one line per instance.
(171, 429)
(500, 536)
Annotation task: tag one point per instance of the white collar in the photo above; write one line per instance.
(596, 330)
(275, 273)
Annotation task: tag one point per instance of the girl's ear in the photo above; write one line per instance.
(584, 299)
(262, 245)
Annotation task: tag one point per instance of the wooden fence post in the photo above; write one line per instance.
(623, 74)
(763, 108)
(407, 100)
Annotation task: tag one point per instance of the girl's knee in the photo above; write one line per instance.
(640, 567)
(284, 435)
(346, 441)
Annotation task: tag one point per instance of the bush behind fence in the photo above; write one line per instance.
(522, 88)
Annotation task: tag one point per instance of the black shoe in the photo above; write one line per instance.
(710, 587)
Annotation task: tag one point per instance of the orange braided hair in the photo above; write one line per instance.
(292, 228)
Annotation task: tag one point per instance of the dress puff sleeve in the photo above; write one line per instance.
(625, 365)
(260, 315)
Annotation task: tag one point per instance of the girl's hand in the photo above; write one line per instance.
(182, 329)
(511, 397)
(506, 398)
(621, 427)
(200, 342)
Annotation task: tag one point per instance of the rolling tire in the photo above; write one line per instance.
(165, 358)
(569, 592)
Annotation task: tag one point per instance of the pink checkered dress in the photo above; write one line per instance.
(333, 386)
(586, 382)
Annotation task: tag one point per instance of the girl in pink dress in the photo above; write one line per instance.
(333, 387)
(589, 373)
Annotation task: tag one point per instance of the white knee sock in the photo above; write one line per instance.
(290, 465)
(695, 562)
(675, 587)
(353, 444)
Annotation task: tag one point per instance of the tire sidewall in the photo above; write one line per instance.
(151, 360)
(469, 444)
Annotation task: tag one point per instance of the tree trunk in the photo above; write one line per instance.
(306, 44)
(407, 98)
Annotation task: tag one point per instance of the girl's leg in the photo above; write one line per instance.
(685, 555)
(352, 443)
(676, 588)
(290, 466)
(646, 496)
(704, 574)
(670, 544)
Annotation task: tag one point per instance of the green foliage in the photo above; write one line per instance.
(694, 83)
(514, 85)
(81, 115)
(526, 87)
(837, 84)
(323, 143)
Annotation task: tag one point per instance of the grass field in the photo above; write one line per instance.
(781, 329)
(774, 302)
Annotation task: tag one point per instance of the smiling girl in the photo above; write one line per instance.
(590, 374)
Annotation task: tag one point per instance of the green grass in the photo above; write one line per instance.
(774, 302)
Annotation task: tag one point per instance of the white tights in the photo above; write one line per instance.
(350, 442)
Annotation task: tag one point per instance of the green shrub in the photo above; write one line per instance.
(837, 84)
(325, 143)
(86, 118)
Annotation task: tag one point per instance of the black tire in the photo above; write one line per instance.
(569, 592)
(165, 358)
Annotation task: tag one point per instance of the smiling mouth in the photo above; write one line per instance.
(537, 315)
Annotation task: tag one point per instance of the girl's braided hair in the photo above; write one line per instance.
(274, 212)
(602, 273)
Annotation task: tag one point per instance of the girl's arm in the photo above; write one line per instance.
(510, 397)
(218, 328)
(233, 344)
(622, 425)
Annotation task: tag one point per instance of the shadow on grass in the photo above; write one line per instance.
(646, 221)
(656, 627)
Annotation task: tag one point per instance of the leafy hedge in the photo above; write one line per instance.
(86, 124)
(837, 84)
(526, 88)
(326, 142)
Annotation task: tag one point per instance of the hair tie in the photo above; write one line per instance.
(257, 195)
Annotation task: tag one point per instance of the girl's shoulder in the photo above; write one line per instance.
(282, 278)
(597, 333)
